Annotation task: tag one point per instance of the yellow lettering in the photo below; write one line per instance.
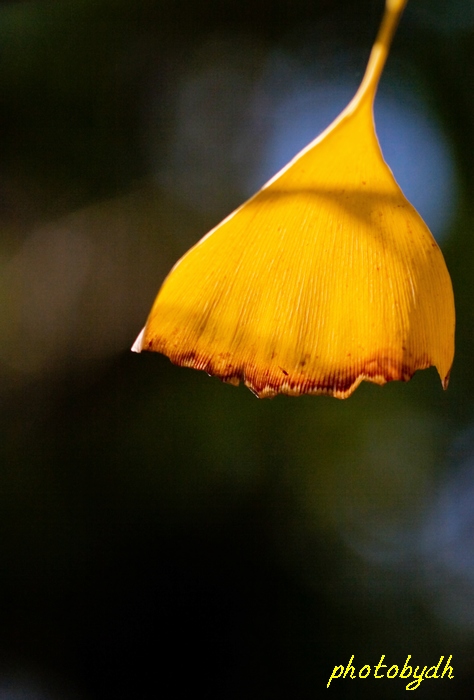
(406, 668)
(350, 668)
(434, 670)
(333, 674)
(448, 668)
(380, 665)
(418, 677)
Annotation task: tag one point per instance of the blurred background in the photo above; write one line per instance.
(162, 533)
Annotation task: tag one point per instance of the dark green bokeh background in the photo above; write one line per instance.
(162, 533)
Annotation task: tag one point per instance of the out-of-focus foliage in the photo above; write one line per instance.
(159, 531)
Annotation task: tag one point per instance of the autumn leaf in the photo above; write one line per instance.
(326, 277)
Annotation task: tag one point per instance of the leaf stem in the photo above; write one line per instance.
(379, 53)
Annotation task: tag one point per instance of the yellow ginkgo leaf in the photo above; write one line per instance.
(325, 278)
